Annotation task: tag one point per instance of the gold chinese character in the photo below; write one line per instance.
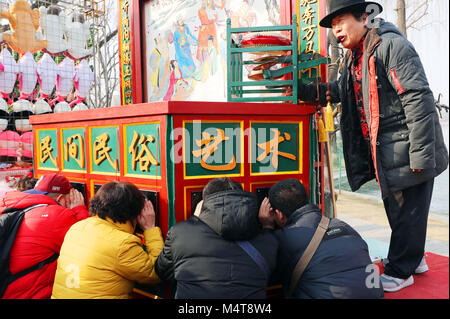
(127, 84)
(126, 34)
(127, 71)
(101, 151)
(272, 147)
(126, 57)
(211, 145)
(45, 151)
(144, 156)
(304, 3)
(309, 32)
(71, 149)
(126, 22)
(310, 47)
(125, 6)
(125, 46)
(308, 15)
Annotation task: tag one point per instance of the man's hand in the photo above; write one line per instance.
(75, 198)
(146, 218)
(266, 214)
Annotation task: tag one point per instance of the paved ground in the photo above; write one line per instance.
(368, 217)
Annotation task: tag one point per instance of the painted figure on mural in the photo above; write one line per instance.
(183, 39)
(160, 68)
(208, 18)
(175, 76)
(243, 17)
(195, 37)
(182, 91)
(209, 66)
(153, 64)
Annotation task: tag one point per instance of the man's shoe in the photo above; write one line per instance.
(423, 267)
(391, 284)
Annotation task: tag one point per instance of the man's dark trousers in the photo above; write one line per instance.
(407, 212)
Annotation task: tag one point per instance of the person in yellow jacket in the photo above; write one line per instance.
(101, 257)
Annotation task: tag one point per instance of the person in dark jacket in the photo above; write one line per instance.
(340, 268)
(204, 257)
(390, 127)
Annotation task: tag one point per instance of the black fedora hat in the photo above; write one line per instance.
(338, 7)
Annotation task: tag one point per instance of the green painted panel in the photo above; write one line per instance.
(48, 148)
(143, 149)
(275, 148)
(309, 35)
(74, 149)
(104, 149)
(212, 148)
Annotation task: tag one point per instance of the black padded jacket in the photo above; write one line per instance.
(404, 127)
(202, 259)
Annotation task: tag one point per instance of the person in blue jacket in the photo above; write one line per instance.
(341, 267)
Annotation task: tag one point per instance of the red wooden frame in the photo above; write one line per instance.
(119, 116)
(249, 181)
(287, 9)
(136, 50)
(164, 112)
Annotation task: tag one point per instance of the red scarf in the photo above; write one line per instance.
(356, 72)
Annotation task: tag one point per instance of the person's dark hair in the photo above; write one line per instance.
(219, 185)
(287, 196)
(120, 201)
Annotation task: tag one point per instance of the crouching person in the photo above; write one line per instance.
(101, 257)
(54, 206)
(221, 251)
(340, 268)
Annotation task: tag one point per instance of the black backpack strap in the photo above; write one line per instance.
(40, 265)
(10, 221)
(256, 256)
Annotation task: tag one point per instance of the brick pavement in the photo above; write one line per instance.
(368, 217)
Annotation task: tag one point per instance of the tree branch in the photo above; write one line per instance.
(108, 38)
(424, 13)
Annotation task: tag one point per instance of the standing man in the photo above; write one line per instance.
(41, 233)
(389, 125)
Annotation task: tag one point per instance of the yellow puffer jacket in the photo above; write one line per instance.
(103, 259)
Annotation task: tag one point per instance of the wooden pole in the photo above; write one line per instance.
(330, 174)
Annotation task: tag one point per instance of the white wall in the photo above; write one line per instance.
(430, 38)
